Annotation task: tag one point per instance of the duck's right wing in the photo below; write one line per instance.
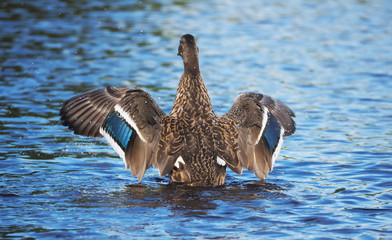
(261, 122)
(129, 119)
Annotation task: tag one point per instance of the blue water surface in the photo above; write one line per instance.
(330, 61)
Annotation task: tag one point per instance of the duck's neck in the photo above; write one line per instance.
(191, 66)
(192, 100)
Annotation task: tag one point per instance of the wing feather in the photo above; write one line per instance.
(261, 122)
(171, 144)
(78, 109)
(129, 119)
(225, 143)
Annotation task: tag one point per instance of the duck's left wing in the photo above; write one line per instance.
(129, 119)
(261, 122)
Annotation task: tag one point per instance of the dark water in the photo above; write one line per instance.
(331, 62)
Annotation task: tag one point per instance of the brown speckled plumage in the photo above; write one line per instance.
(191, 144)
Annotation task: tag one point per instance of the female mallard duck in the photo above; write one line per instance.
(191, 144)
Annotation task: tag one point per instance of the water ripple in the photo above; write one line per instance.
(329, 61)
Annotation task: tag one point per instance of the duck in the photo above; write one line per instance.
(191, 144)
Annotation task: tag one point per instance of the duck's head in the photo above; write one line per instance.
(188, 50)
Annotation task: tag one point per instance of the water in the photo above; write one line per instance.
(330, 62)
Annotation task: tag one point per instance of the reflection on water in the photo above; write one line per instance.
(184, 198)
(329, 61)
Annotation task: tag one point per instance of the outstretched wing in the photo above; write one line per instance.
(129, 119)
(261, 122)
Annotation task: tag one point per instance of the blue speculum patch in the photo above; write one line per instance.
(118, 129)
(272, 132)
